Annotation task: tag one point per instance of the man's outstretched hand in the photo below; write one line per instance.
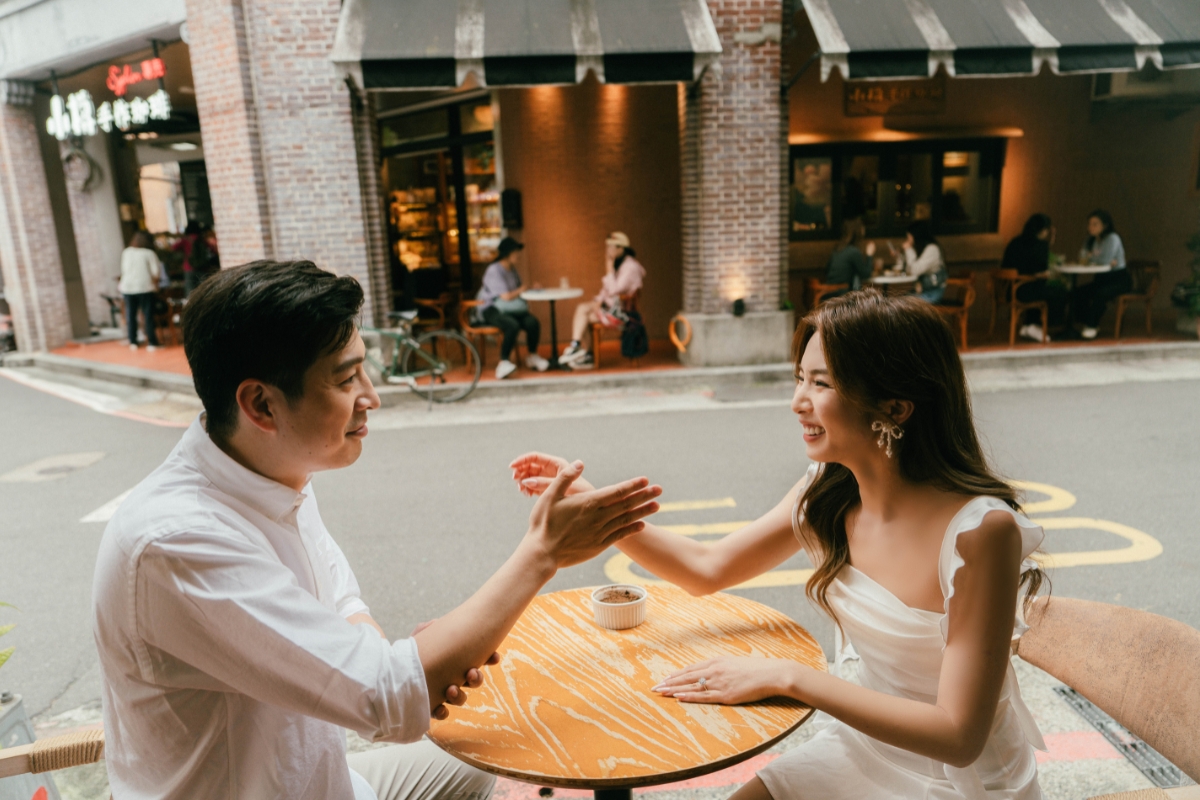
(574, 526)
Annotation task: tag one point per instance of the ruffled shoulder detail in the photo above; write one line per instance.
(969, 518)
(814, 469)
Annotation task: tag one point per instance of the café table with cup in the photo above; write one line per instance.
(571, 703)
(894, 283)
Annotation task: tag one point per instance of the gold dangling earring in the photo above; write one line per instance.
(888, 432)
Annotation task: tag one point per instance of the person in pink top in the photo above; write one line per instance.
(623, 276)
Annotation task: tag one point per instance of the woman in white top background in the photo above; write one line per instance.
(140, 273)
(920, 552)
(1102, 248)
(921, 257)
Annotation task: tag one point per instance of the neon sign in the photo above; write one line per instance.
(79, 116)
(121, 79)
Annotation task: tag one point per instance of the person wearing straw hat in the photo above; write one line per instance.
(623, 276)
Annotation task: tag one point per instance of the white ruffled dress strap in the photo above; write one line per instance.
(970, 517)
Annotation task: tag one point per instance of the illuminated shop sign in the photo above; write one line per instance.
(120, 79)
(79, 116)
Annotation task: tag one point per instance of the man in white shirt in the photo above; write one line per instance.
(234, 647)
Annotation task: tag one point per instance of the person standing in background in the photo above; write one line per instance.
(623, 276)
(187, 246)
(1103, 247)
(140, 270)
(1029, 254)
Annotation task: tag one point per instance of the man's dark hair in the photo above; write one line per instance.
(267, 320)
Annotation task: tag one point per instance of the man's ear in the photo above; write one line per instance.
(258, 401)
(898, 410)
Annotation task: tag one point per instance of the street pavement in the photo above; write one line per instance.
(429, 512)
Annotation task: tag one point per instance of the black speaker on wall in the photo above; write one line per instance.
(510, 208)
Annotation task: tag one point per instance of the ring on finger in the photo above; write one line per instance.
(703, 684)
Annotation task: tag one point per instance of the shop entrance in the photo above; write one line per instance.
(439, 176)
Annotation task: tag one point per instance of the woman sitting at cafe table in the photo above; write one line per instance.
(850, 262)
(1102, 248)
(1029, 254)
(921, 257)
(920, 552)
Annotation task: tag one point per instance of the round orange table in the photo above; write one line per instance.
(570, 702)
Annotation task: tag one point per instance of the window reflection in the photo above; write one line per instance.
(812, 194)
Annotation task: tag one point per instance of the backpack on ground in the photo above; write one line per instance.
(635, 343)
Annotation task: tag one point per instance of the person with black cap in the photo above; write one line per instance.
(502, 307)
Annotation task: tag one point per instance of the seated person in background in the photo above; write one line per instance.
(921, 257)
(1029, 254)
(851, 259)
(234, 646)
(623, 276)
(1103, 246)
(503, 308)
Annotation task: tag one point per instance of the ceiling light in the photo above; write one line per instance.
(185, 146)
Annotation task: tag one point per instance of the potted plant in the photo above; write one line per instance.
(1186, 295)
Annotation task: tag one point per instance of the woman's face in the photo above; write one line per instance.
(613, 251)
(834, 429)
(1095, 227)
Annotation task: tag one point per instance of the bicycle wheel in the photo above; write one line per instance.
(443, 366)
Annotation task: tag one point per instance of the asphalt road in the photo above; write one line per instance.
(428, 513)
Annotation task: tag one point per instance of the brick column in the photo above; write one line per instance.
(733, 203)
(229, 117)
(279, 135)
(29, 256)
(95, 273)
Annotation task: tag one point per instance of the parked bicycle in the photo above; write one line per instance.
(442, 366)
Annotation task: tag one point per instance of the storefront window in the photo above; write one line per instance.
(414, 128)
(954, 184)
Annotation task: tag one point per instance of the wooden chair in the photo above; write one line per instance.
(57, 752)
(1004, 286)
(1139, 668)
(629, 302)
(815, 291)
(956, 304)
(478, 334)
(1145, 284)
(166, 323)
(436, 319)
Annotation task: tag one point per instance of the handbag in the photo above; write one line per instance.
(515, 306)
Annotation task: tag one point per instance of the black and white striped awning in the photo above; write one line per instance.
(413, 44)
(912, 38)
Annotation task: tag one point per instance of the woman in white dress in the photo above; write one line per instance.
(920, 553)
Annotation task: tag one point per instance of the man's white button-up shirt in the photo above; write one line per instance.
(229, 669)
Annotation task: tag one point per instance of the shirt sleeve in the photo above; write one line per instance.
(929, 260)
(241, 622)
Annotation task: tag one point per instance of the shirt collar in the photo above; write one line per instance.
(271, 498)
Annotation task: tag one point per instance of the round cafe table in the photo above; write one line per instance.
(1075, 270)
(570, 705)
(894, 284)
(552, 296)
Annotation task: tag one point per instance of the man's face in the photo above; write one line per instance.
(325, 428)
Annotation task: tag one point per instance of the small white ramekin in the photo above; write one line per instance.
(619, 616)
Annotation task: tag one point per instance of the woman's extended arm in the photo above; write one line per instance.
(955, 728)
(697, 567)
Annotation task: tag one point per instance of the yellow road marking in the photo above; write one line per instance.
(697, 505)
(1059, 499)
(1142, 546)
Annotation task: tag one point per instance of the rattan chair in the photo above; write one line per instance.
(1004, 284)
(57, 752)
(815, 291)
(479, 334)
(1145, 284)
(1141, 669)
(629, 302)
(956, 304)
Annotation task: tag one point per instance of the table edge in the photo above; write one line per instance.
(547, 299)
(630, 782)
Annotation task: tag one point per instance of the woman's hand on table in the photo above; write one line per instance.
(729, 680)
(576, 528)
(454, 694)
(534, 472)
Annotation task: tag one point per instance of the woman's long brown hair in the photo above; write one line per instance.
(878, 349)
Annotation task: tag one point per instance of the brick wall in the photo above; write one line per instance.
(229, 123)
(33, 276)
(279, 135)
(733, 202)
(96, 274)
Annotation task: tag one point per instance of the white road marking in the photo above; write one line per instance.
(51, 468)
(105, 512)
